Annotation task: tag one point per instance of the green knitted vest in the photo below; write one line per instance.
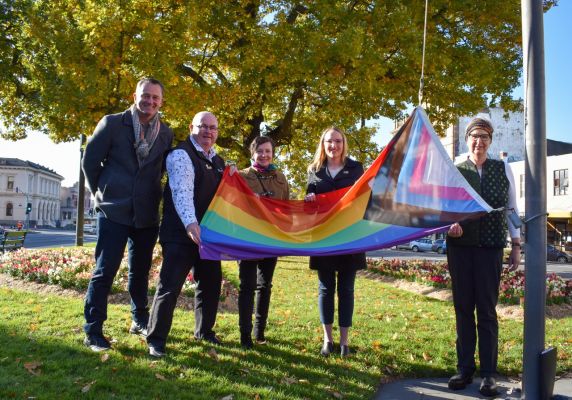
(493, 186)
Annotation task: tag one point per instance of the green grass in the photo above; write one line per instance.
(395, 333)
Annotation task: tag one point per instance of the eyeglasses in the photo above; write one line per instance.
(483, 137)
(207, 127)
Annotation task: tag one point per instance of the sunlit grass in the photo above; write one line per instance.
(395, 334)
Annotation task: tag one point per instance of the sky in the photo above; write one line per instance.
(63, 158)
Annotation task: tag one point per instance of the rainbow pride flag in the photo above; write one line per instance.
(411, 190)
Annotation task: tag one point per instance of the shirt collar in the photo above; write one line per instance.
(210, 154)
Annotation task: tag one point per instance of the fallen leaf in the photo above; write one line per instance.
(104, 357)
(426, 356)
(411, 357)
(212, 354)
(86, 388)
(160, 377)
(245, 371)
(303, 381)
(395, 336)
(376, 344)
(229, 397)
(336, 395)
(288, 381)
(32, 366)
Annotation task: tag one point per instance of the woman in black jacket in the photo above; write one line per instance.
(332, 170)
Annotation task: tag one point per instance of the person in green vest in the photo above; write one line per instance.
(475, 258)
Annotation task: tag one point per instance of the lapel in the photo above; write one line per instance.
(128, 122)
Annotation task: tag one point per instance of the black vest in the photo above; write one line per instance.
(493, 186)
(208, 175)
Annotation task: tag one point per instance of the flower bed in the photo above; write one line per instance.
(558, 290)
(71, 267)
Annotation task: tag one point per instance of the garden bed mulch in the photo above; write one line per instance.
(504, 311)
(230, 303)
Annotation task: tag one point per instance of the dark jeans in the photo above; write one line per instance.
(178, 260)
(475, 277)
(326, 292)
(111, 241)
(255, 276)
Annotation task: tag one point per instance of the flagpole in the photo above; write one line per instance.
(535, 196)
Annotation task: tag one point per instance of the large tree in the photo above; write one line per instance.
(286, 69)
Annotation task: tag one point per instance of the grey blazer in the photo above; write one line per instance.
(125, 192)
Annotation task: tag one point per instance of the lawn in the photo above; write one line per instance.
(396, 334)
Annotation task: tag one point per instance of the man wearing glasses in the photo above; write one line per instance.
(192, 164)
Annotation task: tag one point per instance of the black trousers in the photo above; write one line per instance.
(475, 276)
(111, 241)
(255, 276)
(178, 260)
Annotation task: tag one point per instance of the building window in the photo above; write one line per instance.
(10, 184)
(521, 186)
(9, 210)
(560, 182)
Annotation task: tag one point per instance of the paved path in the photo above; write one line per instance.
(436, 389)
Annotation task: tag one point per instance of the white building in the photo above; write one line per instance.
(23, 182)
(69, 202)
(558, 196)
(508, 135)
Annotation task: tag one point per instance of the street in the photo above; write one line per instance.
(54, 238)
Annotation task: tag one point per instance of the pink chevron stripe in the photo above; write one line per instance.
(416, 184)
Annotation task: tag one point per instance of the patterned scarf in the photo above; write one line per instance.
(144, 138)
(261, 169)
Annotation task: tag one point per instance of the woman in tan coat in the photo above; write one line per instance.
(256, 275)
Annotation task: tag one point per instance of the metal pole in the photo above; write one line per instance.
(535, 196)
(80, 200)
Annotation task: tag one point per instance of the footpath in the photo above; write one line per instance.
(436, 389)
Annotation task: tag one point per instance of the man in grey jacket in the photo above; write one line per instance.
(123, 165)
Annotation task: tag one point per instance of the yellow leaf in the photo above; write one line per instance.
(426, 356)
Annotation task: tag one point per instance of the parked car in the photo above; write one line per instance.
(555, 254)
(421, 245)
(439, 246)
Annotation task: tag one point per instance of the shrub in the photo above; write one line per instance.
(558, 290)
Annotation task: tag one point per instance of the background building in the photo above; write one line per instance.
(558, 196)
(23, 183)
(509, 143)
(69, 201)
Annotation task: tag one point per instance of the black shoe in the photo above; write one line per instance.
(157, 351)
(211, 339)
(345, 350)
(137, 329)
(97, 342)
(460, 381)
(327, 348)
(489, 387)
(246, 342)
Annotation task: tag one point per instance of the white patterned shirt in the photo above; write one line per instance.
(181, 175)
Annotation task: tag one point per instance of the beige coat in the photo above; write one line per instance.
(273, 183)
